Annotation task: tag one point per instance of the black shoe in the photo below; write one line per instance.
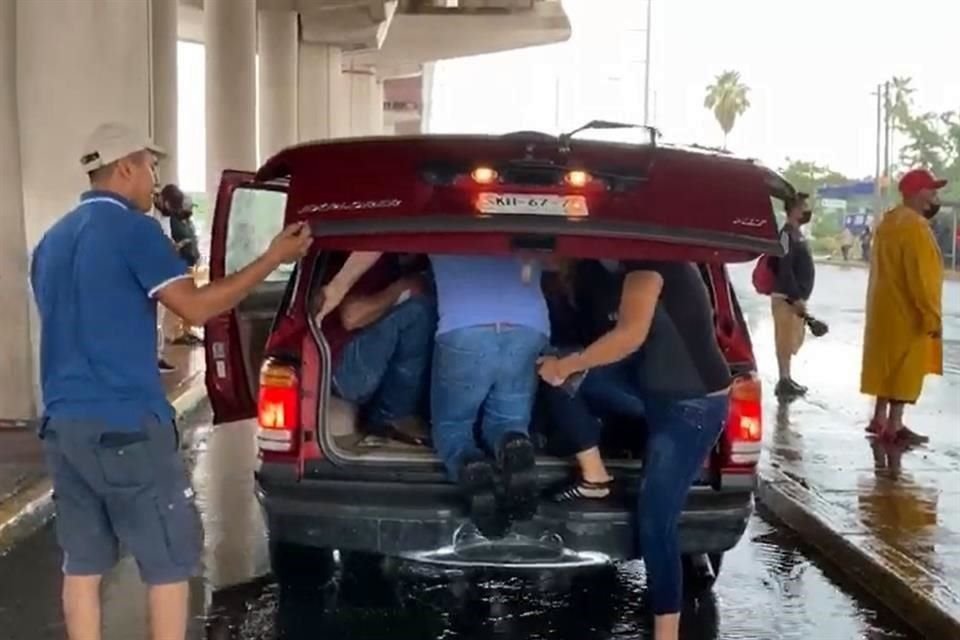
(477, 484)
(789, 389)
(165, 367)
(517, 460)
(581, 490)
(188, 340)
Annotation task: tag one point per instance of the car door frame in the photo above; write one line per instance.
(228, 386)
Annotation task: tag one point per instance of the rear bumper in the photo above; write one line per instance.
(398, 519)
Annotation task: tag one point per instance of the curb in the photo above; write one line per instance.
(928, 604)
(31, 508)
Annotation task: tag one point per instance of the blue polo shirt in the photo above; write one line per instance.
(484, 290)
(95, 275)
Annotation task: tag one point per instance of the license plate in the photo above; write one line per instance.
(524, 203)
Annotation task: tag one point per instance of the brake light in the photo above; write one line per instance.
(484, 175)
(578, 179)
(278, 407)
(745, 421)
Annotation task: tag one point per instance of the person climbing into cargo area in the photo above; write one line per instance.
(903, 333)
(654, 356)
(492, 326)
(795, 277)
(381, 342)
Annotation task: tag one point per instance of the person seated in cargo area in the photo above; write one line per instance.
(493, 324)
(381, 341)
(654, 355)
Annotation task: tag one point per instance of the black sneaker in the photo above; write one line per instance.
(477, 484)
(188, 340)
(165, 367)
(789, 389)
(517, 460)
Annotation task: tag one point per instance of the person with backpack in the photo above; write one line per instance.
(789, 281)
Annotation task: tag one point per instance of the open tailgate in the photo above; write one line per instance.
(426, 195)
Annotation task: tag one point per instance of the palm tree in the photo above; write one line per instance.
(901, 98)
(728, 98)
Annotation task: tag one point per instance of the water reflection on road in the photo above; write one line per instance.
(771, 589)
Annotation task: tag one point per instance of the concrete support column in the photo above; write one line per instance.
(163, 86)
(323, 93)
(376, 108)
(278, 44)
(366, 103)
(16, 374)
(230, 33)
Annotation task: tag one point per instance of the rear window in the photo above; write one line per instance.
(256, 216)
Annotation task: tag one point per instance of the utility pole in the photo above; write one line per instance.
(876, 181)
(886, 142)
(955, 239)
(646, 71)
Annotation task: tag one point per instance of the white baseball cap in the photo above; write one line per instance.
(112, 141)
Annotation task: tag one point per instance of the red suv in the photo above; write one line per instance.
(469, 194)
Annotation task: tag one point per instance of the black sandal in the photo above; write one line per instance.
(584, 490)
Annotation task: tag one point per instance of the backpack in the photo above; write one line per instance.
(765, 275)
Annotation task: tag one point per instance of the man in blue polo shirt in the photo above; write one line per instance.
(108, 430)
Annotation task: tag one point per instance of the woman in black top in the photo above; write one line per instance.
(653, 354)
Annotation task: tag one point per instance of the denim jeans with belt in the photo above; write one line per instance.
(681, 434)
(485, 373)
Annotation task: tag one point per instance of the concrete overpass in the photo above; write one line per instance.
(67, 66)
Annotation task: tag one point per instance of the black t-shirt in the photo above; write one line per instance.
(680, 357)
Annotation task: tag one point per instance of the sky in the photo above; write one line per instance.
(811, 66)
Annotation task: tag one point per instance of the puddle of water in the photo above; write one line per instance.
(513, 552)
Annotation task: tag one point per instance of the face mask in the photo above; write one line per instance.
(806, 217)
(931, 211)
(613, 266)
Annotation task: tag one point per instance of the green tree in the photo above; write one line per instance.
(809, 176)
(728, 98)
(932, 140)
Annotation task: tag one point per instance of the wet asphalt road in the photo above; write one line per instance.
(772, 586)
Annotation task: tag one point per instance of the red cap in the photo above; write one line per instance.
(917, 180)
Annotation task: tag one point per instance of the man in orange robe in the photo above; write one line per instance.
(902, 336)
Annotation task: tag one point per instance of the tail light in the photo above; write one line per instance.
(278, 407)
(745, 422)
(578, 179)
(484, 175)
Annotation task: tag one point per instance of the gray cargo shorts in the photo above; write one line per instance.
(126, 489)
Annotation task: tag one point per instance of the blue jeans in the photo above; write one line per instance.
(681, 434)
(605, 392)
(385, 366)
(490, 368)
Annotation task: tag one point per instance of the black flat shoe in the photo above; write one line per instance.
(583, 490)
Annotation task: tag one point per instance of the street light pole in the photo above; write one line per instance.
(646, 72)
(886, 142)
(876, 182)
(956, 240)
